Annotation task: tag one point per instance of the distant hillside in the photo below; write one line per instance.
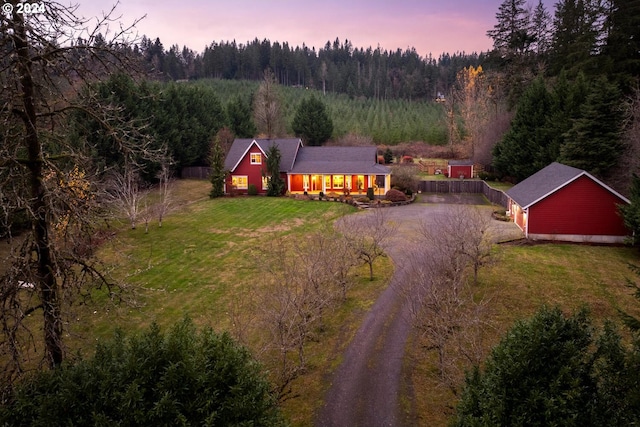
(388, 122)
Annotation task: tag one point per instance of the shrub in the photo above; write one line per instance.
(252, 190)
(405, 178)
(487, 176)
(406, 159)
(183, 378)
(554, 370)
(394, 195)
(370, 194)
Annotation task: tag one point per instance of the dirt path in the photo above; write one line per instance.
(366, 387)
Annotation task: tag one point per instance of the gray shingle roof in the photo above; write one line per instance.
(288, 149)
(546, 181)
(466, 162)
(339, 160)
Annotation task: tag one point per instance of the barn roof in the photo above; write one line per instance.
(547, 181)
(339, 160)
(467, 162)
(288, 150)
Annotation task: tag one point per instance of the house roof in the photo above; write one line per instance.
(288, 150)
(547, 181)
(339, 160)
(466, 162)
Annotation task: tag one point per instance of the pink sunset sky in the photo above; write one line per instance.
(430, 26)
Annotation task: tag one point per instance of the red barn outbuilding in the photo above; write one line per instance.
(563, 203)
(462, 169)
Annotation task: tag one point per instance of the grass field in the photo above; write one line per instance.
(203, 263)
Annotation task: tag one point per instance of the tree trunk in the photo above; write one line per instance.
(45, 276)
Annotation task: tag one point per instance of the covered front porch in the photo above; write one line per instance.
(338, 183)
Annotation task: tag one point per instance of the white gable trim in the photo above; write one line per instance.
(584, 173)
(245, 154)
(295, 156)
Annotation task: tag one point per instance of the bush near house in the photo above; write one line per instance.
(394, 195)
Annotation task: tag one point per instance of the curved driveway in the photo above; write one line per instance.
(365, 389)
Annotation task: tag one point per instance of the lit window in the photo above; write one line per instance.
(256, 158)
(338, 181)
(327, 181)
(240, 182)
(265, 182)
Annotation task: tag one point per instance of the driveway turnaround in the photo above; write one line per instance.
(366, 388)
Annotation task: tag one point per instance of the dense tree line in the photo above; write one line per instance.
(579, 69)
(337, 67)
(179, 120)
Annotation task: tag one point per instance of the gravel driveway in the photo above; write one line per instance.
(365, 388)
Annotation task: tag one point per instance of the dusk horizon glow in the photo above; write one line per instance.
(430, 27)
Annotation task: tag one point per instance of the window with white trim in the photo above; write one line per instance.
(256, 158)
(265, 182)
(241, 182)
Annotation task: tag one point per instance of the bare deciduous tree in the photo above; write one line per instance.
(267, 107)
(165, 195)
(444, 309)
(367, 233)
(46, 61)
(469, 98)
(128, 194)
(303, 280)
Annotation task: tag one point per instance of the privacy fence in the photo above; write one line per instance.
(195, 172)
(497, 197)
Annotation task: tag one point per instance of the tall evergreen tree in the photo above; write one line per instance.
(631, 212)
(524, 148)
(511, 36)
(218, 173)
(240, 119)
(567, 100)
(275, 185)
(540, 29)
(512, 42)
(312, 122)
(575, 36)
(594, 141)
(622, 45)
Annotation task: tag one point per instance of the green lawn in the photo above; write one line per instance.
(203, 262)
(194, 263)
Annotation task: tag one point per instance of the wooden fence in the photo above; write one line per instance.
(497, 197)
(195, 172)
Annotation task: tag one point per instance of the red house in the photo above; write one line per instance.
(246, 162)
(460, 169)
(306, 169)
(563, 203)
